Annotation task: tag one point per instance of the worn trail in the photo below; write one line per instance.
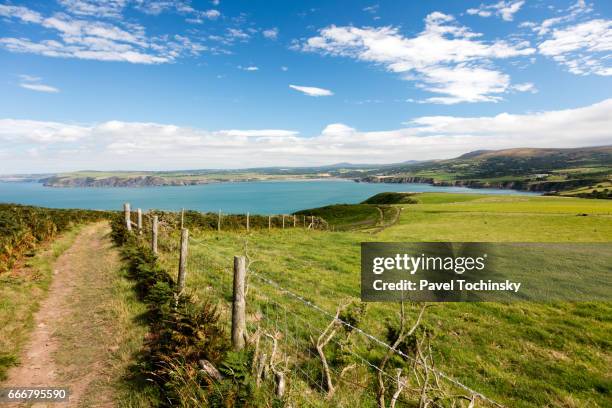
(74, 331)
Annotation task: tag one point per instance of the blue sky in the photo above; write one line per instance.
(109, 84)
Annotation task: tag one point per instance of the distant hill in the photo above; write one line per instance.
(584, 172)
(598, 152)
(122, 178)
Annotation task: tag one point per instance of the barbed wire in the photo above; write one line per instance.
(311, 330)
(376, 339)
(198, 242)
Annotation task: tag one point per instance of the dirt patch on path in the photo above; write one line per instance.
(73, 332)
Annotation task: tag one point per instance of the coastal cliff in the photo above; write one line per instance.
(524, 185)
(157, 181)
(134, 181)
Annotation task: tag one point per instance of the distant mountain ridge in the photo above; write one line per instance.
(579, 170)
(538, 152)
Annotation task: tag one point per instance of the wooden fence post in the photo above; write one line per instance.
(128, 218)
(219, 222)
(139, 219)
(304, 222)
(294, 221)
(183, 259)
(182, 218)
(154, 234)
(283, 221)
(239, 304)
(269, 222)
(248, 226)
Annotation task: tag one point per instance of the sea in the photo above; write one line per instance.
(256, 197)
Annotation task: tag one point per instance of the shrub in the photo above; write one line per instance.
(391, 198)
(23, 227)
(183, 331)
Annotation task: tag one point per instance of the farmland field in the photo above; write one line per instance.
(499, 350)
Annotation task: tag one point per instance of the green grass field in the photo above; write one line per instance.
(520, 354)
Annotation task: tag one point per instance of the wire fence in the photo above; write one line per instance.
(373, 339)
(283, 317)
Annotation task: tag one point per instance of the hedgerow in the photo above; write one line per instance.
(184, 332)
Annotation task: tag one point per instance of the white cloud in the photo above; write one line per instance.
(100, 8)
(581, 45)
(525, 87)
(563, 128)
(337, 130)
(237, 34)
(465, 83)
(22, 13)
(30, 78)
(271, 34)
(39, 87)
(311, 90)
(250, 68)
(200, 16)
(182, 7)
(34, 83)
(577, 10)
(212, 14)
(259, 133)
(125, 145)
(31, 131)
(583, 48)
(504, 9)
(284, 68)
(96, 40)
(373, 9)
(232, 35)
(445, 58)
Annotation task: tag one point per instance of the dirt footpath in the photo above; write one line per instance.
(74, 329)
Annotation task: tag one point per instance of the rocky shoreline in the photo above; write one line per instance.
(138, 181)
(523, 185)
(151, 181)
(157, 181)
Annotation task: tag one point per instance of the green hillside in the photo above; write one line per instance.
(497, 349)
(584, 172)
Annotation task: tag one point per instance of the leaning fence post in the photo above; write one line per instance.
(239, 304)
(182, 218)
(248, 226)
(154, 235)
(139, 218)
(128, 218)
(219, 221)
(183, 259)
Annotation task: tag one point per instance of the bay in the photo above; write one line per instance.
(259, 197)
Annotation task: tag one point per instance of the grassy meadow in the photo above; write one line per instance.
(519, 354)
